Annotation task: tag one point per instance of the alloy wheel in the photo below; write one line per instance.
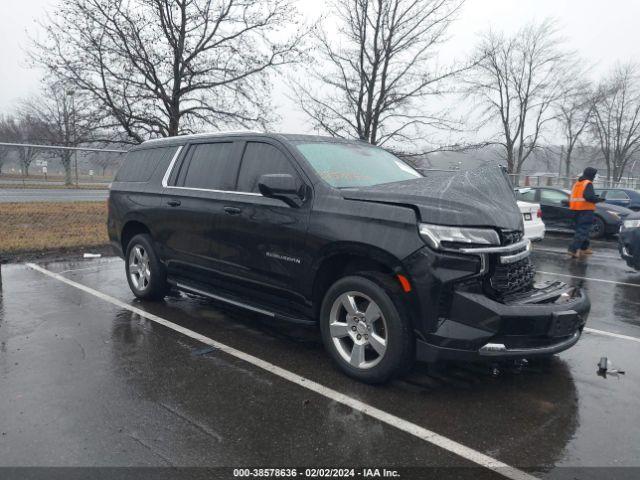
(358, 330)
(139, 271)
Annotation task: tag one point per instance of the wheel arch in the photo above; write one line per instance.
(347, 258)
(130, 229)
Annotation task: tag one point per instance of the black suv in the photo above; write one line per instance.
(392, 264)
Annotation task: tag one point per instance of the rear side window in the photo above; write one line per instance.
(211, 166)
(553, 197)
(260, 159)
(139, 165)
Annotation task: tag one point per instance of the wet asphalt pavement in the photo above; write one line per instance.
(86, 382)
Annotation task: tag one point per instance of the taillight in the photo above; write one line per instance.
(539, 214)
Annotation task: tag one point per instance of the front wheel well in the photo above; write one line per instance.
(130, 230)
(339, 266)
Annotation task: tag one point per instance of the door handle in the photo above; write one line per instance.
(232, 210)
(174, 203)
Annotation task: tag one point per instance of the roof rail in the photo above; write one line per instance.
(198, 135)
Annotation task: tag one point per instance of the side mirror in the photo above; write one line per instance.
(564, 203)
(283, 187)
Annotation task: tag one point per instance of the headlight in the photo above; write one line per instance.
(615, 214)
(632, 223)
(434, 235)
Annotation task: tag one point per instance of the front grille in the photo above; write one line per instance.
(512, 278)
(509, 237)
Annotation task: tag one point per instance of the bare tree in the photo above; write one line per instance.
(66, 119)
(6, 135)
(105, 160)
(574, 113)
(616, 119)
(371, 81)
(26, 129)
(165, 67)
(517, 80)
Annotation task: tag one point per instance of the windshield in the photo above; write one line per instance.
(344, 165)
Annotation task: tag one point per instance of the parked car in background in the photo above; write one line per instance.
(554, 203)
(629, 242)
(624, 197)
(392, 265)
(532, 216)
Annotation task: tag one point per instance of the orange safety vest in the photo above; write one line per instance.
(577, 200)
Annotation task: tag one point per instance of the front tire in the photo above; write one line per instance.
(365, 328)
(146, 275)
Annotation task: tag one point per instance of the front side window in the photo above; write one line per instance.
(553, 197)
(210, 166)
(344, 165)
(261, 159)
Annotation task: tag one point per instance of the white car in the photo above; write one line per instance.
(533, 225)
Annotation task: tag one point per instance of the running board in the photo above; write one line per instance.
(236, 303)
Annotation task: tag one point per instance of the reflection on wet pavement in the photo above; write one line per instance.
(86, 382)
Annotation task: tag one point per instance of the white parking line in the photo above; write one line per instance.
(380, 415)
(637, 285)
(611, 334)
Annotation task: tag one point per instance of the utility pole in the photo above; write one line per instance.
(70, 94)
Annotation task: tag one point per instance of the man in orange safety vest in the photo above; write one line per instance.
(583, 205)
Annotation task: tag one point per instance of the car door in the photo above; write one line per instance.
(193, 224)
(265, 239)
(555, 209)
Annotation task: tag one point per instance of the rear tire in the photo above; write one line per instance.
(366, 329)
(146, 275)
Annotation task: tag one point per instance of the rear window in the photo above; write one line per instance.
(139, 165)
(526, 195)
(617, 195)
(211, 166)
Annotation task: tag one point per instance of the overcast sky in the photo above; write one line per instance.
(601, 32)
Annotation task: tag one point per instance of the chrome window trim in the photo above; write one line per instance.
(167, 174)
(165, 181)
(216, 191)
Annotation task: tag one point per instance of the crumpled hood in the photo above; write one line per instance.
(481, 197)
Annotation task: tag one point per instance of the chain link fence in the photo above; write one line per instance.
(24, 165)
(54, 198)
(526, 180)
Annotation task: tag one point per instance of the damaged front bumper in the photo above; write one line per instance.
(542, 322)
